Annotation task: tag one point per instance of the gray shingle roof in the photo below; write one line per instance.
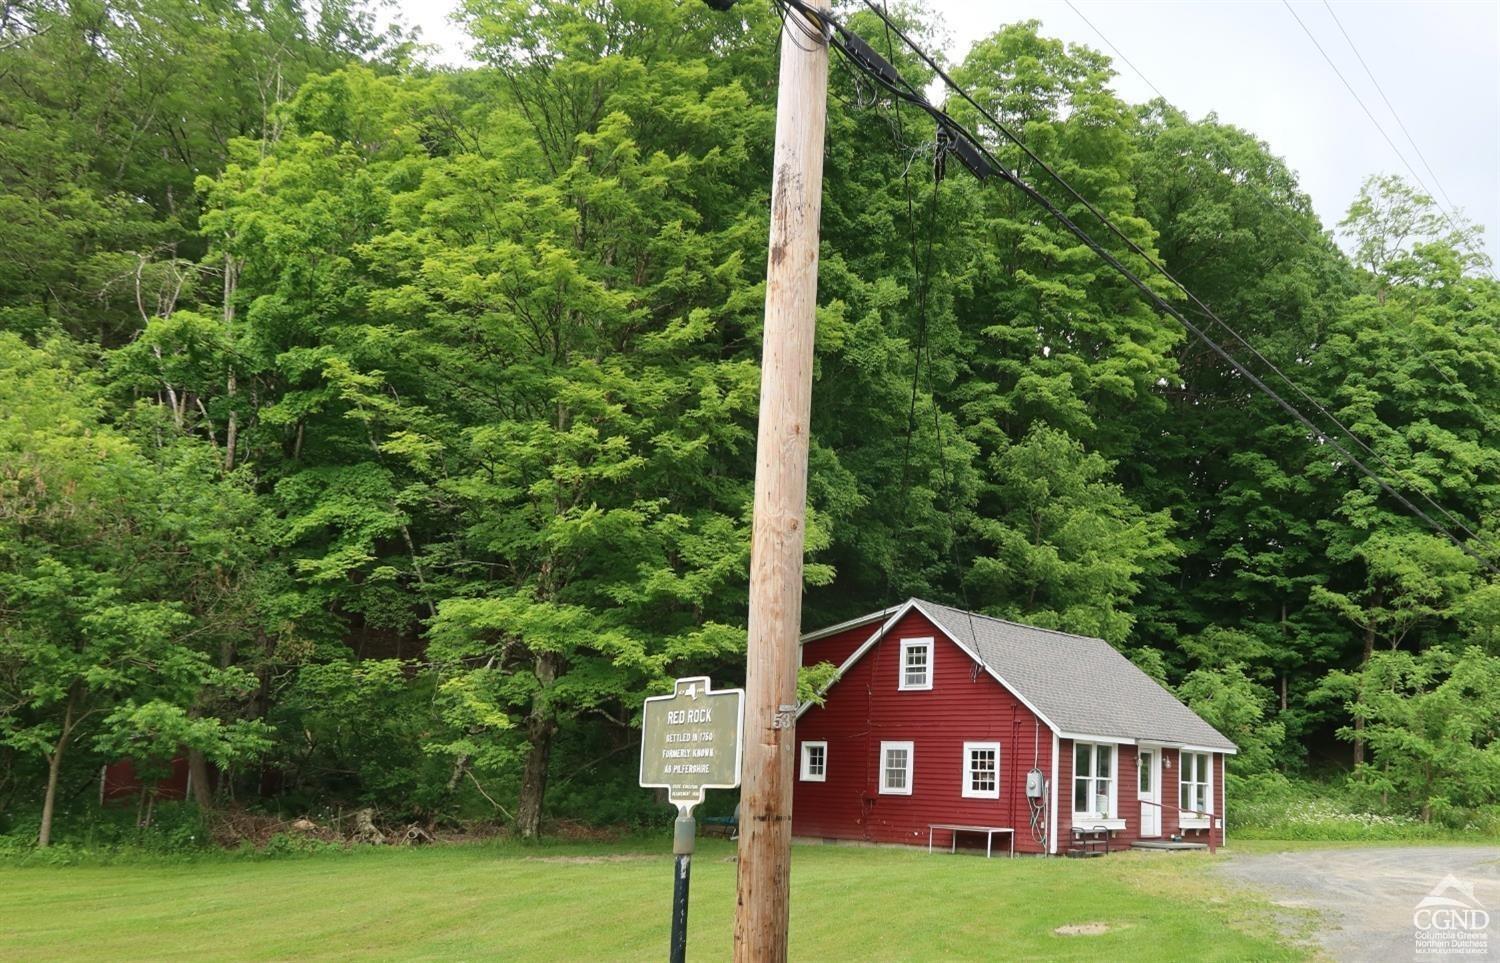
(1081, 685)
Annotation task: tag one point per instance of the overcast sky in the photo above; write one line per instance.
(1249, 60)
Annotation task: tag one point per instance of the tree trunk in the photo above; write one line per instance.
(54, 769)
(1285, 632)
(198, 775)
(232, 431)
(541, 726)
(147, 808)
(1359, 723)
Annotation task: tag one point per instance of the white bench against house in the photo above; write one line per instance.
(954, 829)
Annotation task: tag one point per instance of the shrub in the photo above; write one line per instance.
(1430, 721)
(1271, 806)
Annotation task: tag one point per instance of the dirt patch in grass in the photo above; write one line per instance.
(585, 860)
(1082, 929)
(575, 831)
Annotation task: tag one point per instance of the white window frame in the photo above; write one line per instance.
(1085, 819)
(969, 791)
(906, 646)
(1186, 820)
(911, 768)
(807, 775)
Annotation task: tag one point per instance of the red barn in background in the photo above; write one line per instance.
(119, 781)
(944, 718)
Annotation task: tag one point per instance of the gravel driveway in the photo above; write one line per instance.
(1368, 897)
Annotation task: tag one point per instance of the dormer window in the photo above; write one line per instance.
(916, 664)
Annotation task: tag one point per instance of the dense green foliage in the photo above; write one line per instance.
(381, 435)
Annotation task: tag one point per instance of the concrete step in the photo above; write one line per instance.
(1165, 844)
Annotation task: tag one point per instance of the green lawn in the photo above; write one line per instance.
(605, 903)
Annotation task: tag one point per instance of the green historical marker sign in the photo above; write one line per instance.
(690, 741)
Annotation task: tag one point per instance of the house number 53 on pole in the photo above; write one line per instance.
(690, 743)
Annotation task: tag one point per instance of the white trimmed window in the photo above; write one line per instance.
(897, 762)
(982, 770)
(916, 664)
(814, 762)
(1195, 789)
(1093, 781)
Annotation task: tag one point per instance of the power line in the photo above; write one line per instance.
(1161, 269)
(983, 164)
(1275, 208)
(1261, 195)
(1462, 235)
(1118, 52)
(1389, 106)
(1198, 332)
(1409, 138)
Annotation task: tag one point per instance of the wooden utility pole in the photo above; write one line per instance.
(760, 926)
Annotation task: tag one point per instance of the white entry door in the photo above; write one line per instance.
(1149, 767)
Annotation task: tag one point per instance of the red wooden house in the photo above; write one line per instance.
(940, 717)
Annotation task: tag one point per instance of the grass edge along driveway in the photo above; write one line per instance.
(611, 902)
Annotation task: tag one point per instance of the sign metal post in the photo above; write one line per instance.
(684, 834)
(690, 743)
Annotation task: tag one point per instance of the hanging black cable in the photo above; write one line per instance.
(923, 342)
(921, 329)
(921, 326)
